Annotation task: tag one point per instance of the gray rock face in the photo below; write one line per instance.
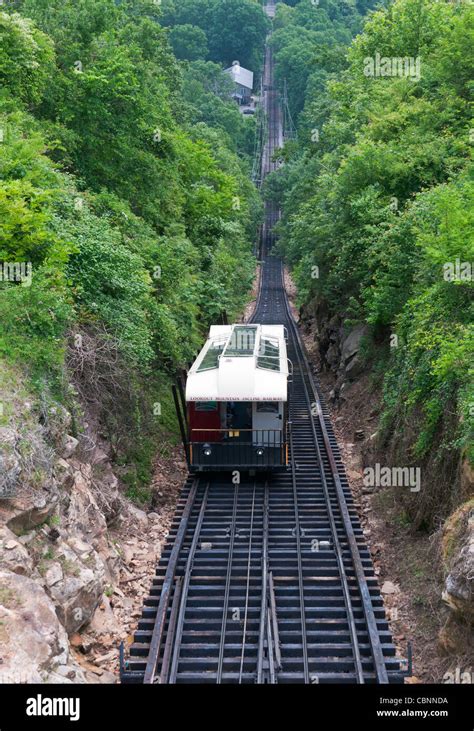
(351, 344)
(83, 514)
(13, 555)
(53, 572)
(332, 355)
(351, 364)
(32, 641)
(63, 474)
(32, 510)
(75, 582)
(70, 446)
(459, 585)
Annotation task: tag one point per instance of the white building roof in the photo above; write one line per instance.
(241, 76)
(240, 363)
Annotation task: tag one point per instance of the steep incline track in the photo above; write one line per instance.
(268, 582)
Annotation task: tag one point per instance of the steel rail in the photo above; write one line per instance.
(159, 626)
(273, 612)
(371, 623)
(167, 653)
(227, 585)
(263, 598)
(335, 538)
(185, 590)
(247, 591)
(304, 638)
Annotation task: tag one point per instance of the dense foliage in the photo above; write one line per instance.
(124, 181)
(234, 29)
(377, 198)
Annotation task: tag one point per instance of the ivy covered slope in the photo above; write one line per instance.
(127, 193)
(378, 213)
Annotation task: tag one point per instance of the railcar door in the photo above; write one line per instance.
(268, 423)
(240, 421)
(204, 421)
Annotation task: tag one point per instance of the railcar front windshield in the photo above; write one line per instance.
(242, 341)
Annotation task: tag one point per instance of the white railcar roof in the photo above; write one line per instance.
(240, 363)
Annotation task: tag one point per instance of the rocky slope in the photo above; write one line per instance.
(75, 555)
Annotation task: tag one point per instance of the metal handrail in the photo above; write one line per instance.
(235, 428)
(258, 448)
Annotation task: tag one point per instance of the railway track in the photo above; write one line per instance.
(268, 581)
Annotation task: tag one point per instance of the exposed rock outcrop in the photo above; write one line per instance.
(458, 558)
(75, 580)
(13, 555)
(32, 510)
(339, 346)
(58, 498)
(33, 643)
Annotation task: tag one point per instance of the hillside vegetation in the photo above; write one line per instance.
(125, 194)
(377, 202)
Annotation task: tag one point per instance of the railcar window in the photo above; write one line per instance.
(267, 407)
(241, 341)
(211, 357)
(206, 405)
(269, 355)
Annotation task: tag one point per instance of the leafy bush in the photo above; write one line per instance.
(379, 201)
(130, 199)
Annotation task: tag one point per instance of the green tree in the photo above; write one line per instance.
(189, 42)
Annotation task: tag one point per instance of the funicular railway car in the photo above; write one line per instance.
(237, 400)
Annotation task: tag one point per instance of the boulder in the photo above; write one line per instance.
(354, 368)
(32, 641)
(104, 621)
(78, 591)
(13, 555)
(69, 447)
(83, 515)
(351, 343)
(389, 587)
(138, 516)
(31, 510)
(458, 556)
(71, 673)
